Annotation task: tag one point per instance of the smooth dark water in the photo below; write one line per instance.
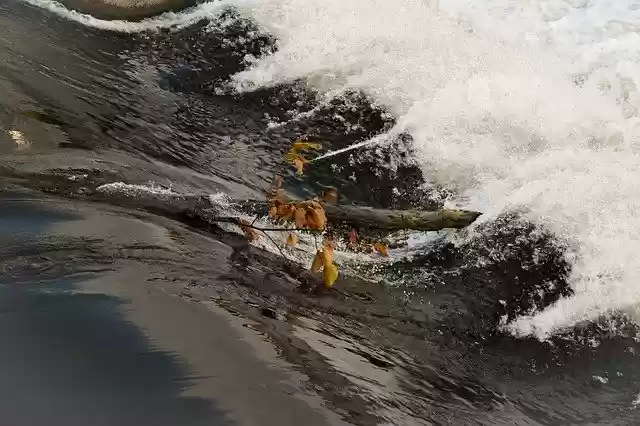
(110, 315)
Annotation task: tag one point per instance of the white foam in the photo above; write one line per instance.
(489, 102)
(494, 116)
(169, 20)
(135, 189)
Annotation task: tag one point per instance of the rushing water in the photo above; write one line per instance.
(526, 112)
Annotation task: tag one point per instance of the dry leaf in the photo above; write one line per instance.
(382, 249)
(277, 194)
(316, 218)
(249, 232)
(300, 217)
(317, 264)
(300, 145)
(329, 195)
(277, 182)
(292, 239)
(299, 165)
(273, 212)
(311, 221)
(329, 275)
(327, 255)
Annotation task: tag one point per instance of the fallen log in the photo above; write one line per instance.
(203, 209)
(346, 216)
(380, 219)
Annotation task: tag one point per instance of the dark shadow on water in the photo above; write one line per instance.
(72, 359)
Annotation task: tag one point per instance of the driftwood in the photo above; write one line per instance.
(200, 210)
(380, 219)
(364, 218)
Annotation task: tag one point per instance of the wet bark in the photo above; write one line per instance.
(380, 219)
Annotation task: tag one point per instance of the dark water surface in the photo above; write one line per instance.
(114, 316)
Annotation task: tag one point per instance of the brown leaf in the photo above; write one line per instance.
(290, 212)
(250, 233)
(382, 249)
(311, 221)
(316, 219)
(273, 212)
(317, 264)
(329, 195)
(329, 275)
(292, 239)
(277, 194)
(300, 145)
(300, 217)
(299, 165)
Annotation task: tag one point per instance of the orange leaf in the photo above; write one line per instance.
(292, 239)
(300, 217)
(277, 194)
(311, 221)
(329, 195)
(299, 164)
(285, 211)
(316, 219)
(291, 211)
(249, 232)
(317, 264)
(382, 249)
(329, 275)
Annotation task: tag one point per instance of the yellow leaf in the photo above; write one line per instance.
(249, 232)
(382, 249)
(329, 275)
(304, 146)
(300, 217)
(327, 255)
(316, 266)
(299, 164)
(292, 239)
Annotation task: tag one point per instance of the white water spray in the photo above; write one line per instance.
(496, 116)
(493, 116)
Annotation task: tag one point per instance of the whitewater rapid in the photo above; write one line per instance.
(531, 107)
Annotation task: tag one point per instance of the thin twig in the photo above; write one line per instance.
(275, 244)
(236, 221)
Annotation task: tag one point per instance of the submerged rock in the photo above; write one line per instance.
(127, 9)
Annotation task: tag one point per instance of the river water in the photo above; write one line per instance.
(121, 305)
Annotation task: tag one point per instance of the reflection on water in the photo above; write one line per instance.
(89, 339)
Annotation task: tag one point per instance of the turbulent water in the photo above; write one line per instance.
(527, 112)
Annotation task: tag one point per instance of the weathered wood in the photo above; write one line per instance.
(364, 218)
(380, 219)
